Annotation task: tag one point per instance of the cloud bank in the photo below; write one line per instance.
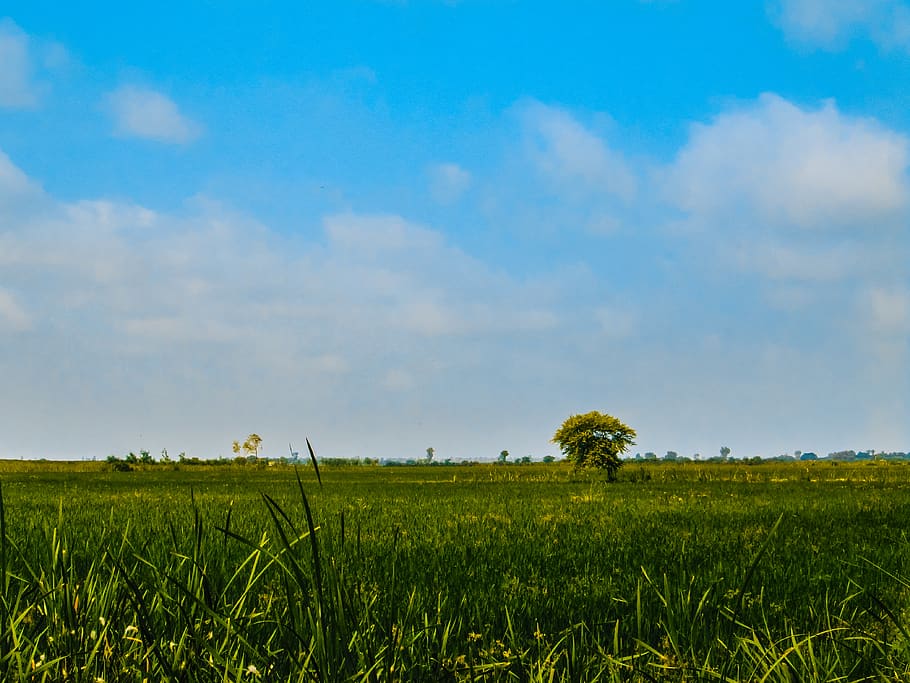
(143, 318)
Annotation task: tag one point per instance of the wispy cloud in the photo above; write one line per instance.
(830, 23)
(557, 173)
(13, 316)
(799, 262)
(23, 60)
(145, 113)
(448, 182)
(889, 310)
(16, 86)
(573, 157)
(13, 182)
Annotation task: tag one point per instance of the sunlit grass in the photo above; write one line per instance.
(676, 572)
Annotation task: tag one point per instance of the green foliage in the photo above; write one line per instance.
(594, 440)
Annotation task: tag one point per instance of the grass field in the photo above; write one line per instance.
(776, 572)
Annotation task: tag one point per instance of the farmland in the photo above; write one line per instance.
(778, 572)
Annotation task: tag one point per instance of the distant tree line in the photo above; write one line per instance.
(144, 458)
(724, 456)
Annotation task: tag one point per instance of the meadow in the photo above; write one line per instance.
(676, 572)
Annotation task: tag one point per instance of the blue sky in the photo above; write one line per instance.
(394, 225)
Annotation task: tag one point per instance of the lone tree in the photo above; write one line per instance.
(594, 440)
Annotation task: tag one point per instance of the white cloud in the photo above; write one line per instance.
(13, 182)
(180, 329)
(791, 297)
(829, 23)
(616, 323)
(425, 286)
(574, 158)
(25, 63)
(17, 87)
(800, 263)
(145, 113)
(397, 379)
(12, 315)
(448, 182)
(889, 309)
(776, 163)
(381, 233)
(603, 224)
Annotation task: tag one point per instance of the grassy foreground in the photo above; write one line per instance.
(777, 572)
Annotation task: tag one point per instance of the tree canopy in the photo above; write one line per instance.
(594, 440)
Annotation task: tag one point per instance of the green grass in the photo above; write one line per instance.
(777, 572)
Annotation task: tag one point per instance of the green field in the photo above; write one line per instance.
(777, 572)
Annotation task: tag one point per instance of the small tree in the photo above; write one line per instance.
(503, 456)
(724, 452)
(250, 446)
(594, 440)
(430, 453)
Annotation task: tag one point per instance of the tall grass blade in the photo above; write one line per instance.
(314, 461)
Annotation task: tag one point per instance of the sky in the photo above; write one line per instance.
(388, 226)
